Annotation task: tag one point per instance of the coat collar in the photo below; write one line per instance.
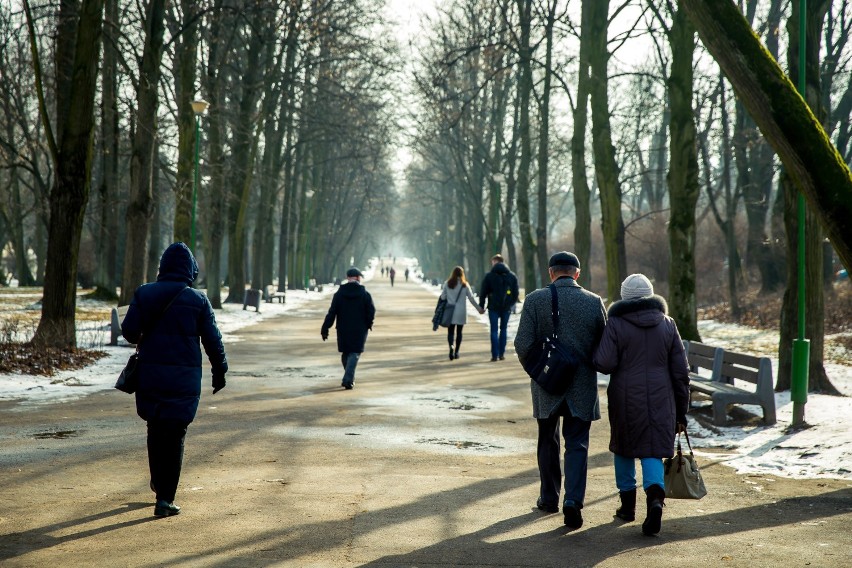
(624, 307)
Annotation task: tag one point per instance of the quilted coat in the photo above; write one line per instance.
(581, 323)
(169, 352)
(648, 389)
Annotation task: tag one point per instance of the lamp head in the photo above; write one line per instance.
(199, 106)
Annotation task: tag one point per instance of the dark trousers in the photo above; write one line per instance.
(457, 331)
(576, 434)
(350, 362)
(165, 456)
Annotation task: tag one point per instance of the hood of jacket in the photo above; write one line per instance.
(641, 312)
(177, 264)
(351, 290)
(500, 268)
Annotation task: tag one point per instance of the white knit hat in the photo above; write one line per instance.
(636, 286)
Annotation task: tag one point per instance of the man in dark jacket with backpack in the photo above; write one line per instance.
(352, 307)
(500, 287)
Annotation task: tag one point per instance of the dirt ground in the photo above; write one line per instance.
(427, 462)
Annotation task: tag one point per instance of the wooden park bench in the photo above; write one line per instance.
(727, 371)
(271, 294)
(115, 319)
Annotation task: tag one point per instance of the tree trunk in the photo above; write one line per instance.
(544, 145)
(139, 210)
(70, 192)
(186, 52)
(245, 145)
(579, 180)
(107, 237)
(525, 85)
(606, 168)
(784, 118)
(682, 180)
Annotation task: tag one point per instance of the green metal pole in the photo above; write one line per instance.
(801, 346)
(194, 190)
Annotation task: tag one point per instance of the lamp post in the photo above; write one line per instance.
(198, 107)
(801, 346)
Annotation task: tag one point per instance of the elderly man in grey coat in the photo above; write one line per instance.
(582, 318)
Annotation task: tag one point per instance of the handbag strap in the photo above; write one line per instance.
(160, 316)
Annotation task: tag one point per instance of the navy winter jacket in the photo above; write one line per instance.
(169, 353)
(352, 307)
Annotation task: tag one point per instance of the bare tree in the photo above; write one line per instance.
(71, 152)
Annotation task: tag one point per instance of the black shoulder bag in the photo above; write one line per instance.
(553, 365)
(128, 380)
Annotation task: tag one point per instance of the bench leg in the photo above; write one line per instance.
(768, 414)
(720, 411)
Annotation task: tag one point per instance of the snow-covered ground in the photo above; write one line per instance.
(822, 450)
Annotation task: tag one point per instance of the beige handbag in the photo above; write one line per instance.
(682, 477)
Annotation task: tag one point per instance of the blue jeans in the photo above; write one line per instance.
(350, 361)
(576, 434)
(498, 342)
(625, 472)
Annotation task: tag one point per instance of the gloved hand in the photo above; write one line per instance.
(681, 425)
(324, 334)
(218, 383)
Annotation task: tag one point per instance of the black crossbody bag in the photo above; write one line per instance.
(128, 380)
(553, 365)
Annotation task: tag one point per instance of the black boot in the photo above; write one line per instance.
(627, 511)
(458, 344)
(655, 497)
(451, 353)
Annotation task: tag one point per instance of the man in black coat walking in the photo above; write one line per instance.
(500, 288)
(352, 307)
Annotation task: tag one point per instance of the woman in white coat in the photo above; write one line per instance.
(455, 290)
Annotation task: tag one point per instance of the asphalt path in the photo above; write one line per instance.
(426, 462)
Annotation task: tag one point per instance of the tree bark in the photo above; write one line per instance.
(544, 145)
(682, 179)
(139, 212)
(107, 238)
(70, 192)
(579, 179)
(528, 245)
(245, 146)
(184, 72)
(606, 168)
(782, 115)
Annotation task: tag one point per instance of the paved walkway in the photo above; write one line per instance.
(427, 462)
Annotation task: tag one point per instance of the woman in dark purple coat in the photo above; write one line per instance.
(648, 393)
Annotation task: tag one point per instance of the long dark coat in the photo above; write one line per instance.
(169, 353)
(649, 384)
(352, 307)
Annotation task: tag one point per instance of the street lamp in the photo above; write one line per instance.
(198, 107)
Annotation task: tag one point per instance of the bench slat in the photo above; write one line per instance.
(736, 372)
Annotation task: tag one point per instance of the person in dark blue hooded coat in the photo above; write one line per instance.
(166, 319)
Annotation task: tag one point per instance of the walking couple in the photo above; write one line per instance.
(639, 346)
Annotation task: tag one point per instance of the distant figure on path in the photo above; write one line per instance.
(647, 396)
(392, 274)
(165, 320)
(352, 307)
(406, 275)
(582, 318)
(454, 288)
(500, 288)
